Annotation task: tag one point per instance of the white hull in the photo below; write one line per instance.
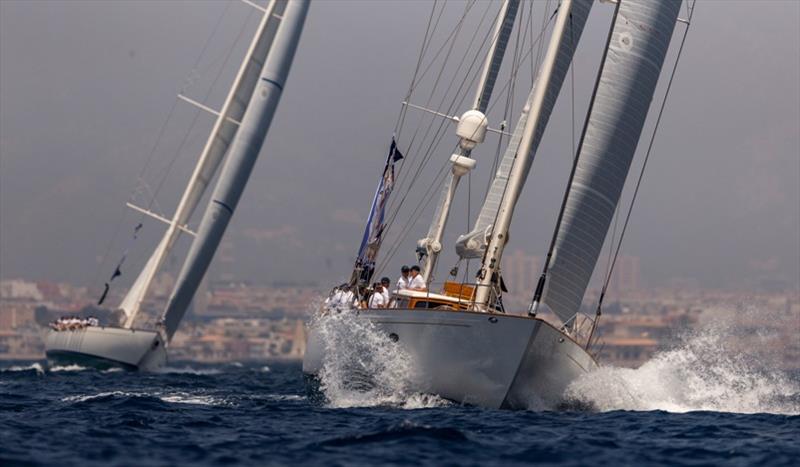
(106, 347)
(488, 360)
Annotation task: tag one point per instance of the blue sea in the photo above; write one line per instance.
(267, 414)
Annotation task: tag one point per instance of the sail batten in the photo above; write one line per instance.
(636, 51)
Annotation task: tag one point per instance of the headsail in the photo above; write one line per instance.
(217, 144)
(638, 44)
(473, 244)
(241, 159)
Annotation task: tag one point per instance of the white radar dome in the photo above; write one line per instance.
(471, 129)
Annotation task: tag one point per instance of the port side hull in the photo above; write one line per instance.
(488, 360)
(106, 347)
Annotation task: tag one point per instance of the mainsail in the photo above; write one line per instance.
(637, 47)
(473, 244)
(217, 144)
(240, 161)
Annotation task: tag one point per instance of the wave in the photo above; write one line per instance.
(400, 432)
(278, 397)
(169, 397)
(186, 370)
(34, 367)
(362, 367)
(725, 365)
(66, 368)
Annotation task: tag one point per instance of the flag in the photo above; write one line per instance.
(373, 231)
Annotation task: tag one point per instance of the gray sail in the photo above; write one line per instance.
(240, 161)
(473, 244)
(637, 47)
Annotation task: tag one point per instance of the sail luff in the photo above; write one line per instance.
(214, 150)
(239, 164)
(636, 52)
(567, 30)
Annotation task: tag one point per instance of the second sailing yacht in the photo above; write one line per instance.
(238, 134)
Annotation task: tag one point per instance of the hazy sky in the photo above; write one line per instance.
(86, 86)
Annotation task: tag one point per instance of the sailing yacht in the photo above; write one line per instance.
(237, 136)
(463, 344)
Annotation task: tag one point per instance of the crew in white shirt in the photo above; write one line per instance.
(342, 300)
(387, 296)
(377, 300)
(402, 283)
(417, 282)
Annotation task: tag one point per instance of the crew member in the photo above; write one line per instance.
(385, 282)
(416, 282)
(402, 283)
(377, 300)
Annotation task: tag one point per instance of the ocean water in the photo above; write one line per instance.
(699, 403)
(265, 415)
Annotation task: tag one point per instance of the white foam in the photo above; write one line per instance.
(278, 397)
(362, 367)
(194, 399)
(188, 371)
(722, 366)
(34, 366)
(58, 369)
(172, 398)
(88, 397)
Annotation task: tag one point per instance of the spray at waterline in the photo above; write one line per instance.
(363, 367)
(725, 365)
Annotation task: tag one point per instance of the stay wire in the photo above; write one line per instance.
(506, 86)
(444, 45)
(198, 113)
(437, 136)
(412, 85)
(403, 177)
(437, 139)
(159, 137)
(394, 206)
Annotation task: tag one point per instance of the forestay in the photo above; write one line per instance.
(216, 146)
(637, 47)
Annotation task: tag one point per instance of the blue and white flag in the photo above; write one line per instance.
(373, 232)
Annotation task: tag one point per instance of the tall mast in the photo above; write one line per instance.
(489, 275)
(471, 131)
(239, 164)
(219, 139)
